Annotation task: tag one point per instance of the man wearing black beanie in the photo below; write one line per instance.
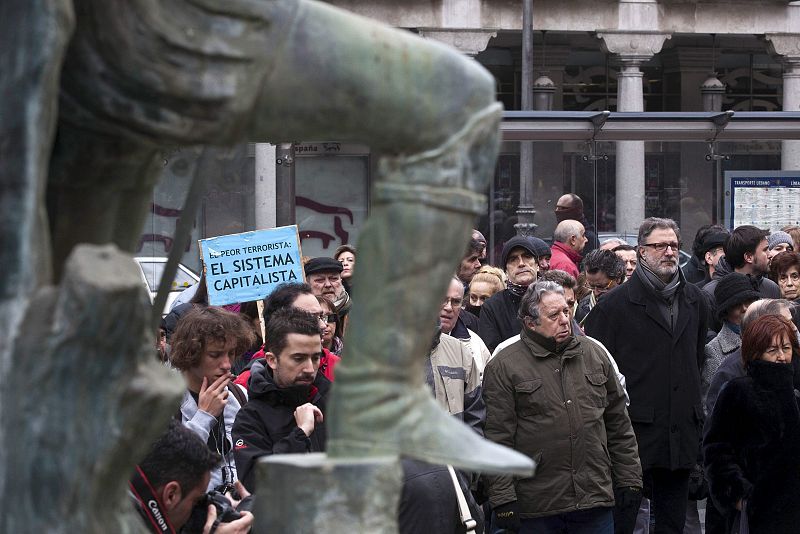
(498, 319)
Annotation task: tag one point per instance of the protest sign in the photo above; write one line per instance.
(249, 266)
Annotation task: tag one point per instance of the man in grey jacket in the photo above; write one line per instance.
(556, 398)
(205, 345)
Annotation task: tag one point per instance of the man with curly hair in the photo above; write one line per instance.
(205, 345)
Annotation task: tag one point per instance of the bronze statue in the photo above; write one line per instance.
(93, 89)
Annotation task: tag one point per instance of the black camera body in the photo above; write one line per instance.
(225, 511)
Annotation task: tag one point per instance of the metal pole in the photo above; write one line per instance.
(525, 210)
(266, 195)
(284, 184)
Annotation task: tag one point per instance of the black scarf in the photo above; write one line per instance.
(516, 289)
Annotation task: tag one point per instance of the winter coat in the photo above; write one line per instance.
(428, 500)
(476, 345)
(563, 407)
(752, 448)
(694, 270)
(564, 259)
(266, 425)
(726, 342)
(327, 366)
(498, 320)
(203, 423)
(585, 305)
(456, 381)
(661, 367)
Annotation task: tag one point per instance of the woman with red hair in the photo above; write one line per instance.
(752, 446)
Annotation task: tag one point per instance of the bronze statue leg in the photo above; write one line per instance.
(434, 114)
(98, 192)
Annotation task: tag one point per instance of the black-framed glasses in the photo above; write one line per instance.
(662, 247)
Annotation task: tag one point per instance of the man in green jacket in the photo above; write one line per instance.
(556, 398)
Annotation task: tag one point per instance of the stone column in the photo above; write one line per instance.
(632, 49)
(788, 47)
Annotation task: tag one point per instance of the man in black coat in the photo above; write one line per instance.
(655, 326)
(287, 395)
(498, 320)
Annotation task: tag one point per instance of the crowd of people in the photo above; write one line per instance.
(638, 388)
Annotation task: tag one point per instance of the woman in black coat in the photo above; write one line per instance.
(752, 447)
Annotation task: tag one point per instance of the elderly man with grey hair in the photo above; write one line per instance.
(569, 238)
(556, 398)
(655, 326)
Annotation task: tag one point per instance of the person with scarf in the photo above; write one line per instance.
(488, 281)
(655, 326)
(498, 320)
(752, 444)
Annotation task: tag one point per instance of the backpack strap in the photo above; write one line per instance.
(237, 393)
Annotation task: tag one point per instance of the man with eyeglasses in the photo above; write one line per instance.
(461, 324)
(324, 275)
(655, 326)
(604, 271)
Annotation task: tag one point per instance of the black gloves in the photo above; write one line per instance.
(626, 509)
(507, 517)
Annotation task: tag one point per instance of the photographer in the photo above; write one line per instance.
(169, 486)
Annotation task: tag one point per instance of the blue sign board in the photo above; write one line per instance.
(766, 199)
(249, 266)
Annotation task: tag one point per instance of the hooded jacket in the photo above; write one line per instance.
(564, 407)
(266, 425)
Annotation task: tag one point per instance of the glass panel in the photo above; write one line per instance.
(331, 200)
(680, 182)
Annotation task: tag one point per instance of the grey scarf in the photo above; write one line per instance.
(666, 291)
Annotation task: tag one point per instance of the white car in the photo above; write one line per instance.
(152, 268)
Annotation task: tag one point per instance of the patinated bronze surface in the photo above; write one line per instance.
(91, 90)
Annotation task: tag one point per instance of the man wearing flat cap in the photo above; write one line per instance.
(324, 275)
(498, 319)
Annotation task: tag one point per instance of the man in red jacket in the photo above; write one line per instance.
(569, 239)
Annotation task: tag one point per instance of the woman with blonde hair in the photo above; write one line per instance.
(486, 282)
